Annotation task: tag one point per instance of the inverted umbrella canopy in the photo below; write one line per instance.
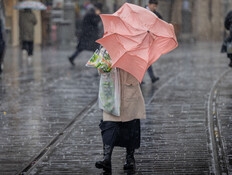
(135, 38)
(34, 5)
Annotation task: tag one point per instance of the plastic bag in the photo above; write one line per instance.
(109, 97)
(100, 60)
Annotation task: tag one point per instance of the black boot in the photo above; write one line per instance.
(71, 60)
(130, 160)
(154, 79)
(105, 164)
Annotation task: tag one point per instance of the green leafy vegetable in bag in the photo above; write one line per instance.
(100, 60)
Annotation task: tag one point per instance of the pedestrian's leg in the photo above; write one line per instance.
(24, 45)
(151, 74)
(24, 49)
(105, 164)
(229, 55)
(1, 62)
(230, 64)
(130, 160)
(30, 48)
(73, 56)
(109, 132)
(2, 51)
(133, 131)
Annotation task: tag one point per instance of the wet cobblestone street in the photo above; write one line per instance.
(49, 115)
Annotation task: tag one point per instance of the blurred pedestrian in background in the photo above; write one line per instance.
(227, 44)
(90, 32)
(123, 130)
(27, 21)
(152, 6)
(2, 45)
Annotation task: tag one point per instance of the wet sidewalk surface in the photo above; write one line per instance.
(49, 115)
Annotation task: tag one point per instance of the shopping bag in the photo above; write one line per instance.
(109, 97)
(101, 60)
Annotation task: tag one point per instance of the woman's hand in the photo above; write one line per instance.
(100, 71)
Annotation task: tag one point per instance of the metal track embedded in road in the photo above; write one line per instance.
(56, 139)
(219, 166)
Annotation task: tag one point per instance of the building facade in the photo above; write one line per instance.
(193, 19)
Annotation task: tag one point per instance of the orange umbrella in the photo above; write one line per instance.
(135, 38)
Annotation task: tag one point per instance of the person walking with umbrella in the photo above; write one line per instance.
(134, 38)
(27, 21)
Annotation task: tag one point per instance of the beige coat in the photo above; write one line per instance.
(132, 102)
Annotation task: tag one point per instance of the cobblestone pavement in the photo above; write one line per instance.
(49, 115)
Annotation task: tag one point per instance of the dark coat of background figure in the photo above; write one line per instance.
(228, 40)
(90, 32)
(228, 20)
(2, 45)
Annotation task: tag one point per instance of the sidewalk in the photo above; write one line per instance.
(175, 135)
